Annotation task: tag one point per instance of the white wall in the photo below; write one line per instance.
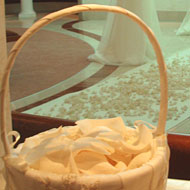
(93, 15)
(101, 2)
(173, 5)
(167, 5)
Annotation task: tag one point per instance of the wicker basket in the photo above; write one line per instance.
(150, 176)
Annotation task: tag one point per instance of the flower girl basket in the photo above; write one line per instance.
(152, 175)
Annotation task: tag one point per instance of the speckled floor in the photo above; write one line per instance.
(89, 32)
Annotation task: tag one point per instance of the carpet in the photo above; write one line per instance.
(134, 95)
(46, 59)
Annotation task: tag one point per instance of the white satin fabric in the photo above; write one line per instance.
(184, 29)
(123, 42)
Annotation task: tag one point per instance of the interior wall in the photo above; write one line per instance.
(173, 5)
(168, 10)
(169, 5)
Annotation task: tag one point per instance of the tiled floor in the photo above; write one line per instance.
(90, 32)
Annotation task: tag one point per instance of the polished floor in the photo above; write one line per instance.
(89, 92)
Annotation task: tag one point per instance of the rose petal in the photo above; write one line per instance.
(139, 160)
(92, 144)
(47, 165)
(143, 142)
(92, 147)
(93, 163)
(121, 156)
(115, 124)
(121, 166)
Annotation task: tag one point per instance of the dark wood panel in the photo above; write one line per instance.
(18, 1)
(28, 125)
(180, 156)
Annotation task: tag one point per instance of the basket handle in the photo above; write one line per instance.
(73, 10)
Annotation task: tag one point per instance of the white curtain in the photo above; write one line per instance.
(123, 42)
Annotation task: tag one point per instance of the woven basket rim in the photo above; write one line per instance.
(160, 155)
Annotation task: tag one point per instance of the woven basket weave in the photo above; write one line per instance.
(14, 172)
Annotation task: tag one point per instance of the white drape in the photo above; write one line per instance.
(123, 42)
